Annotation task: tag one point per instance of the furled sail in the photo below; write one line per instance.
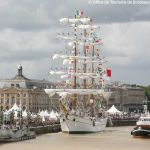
(82, 76)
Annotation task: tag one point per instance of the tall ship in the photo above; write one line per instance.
(84, 77)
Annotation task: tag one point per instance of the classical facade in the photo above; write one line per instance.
(127, 98)
(26, 93)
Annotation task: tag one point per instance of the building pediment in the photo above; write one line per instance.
(11, 89)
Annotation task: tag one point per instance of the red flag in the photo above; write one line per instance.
(108, 72)
(87, 47)
(99, 41)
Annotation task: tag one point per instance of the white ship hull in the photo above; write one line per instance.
(74, 124)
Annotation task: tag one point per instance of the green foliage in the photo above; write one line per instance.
(29, 116)
(1, 117)
(11, 117)
(19, 115)
(147, 94)
(133, 85)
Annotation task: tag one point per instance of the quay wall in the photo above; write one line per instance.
(46, 129)
(56, 127)
(117, 123)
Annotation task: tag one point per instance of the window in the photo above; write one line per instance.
(1, 107)
(12, 85)
(18, 102)
(17, 85)
(12, 100)
(7, 107)
(24, 102)
(2, 101)
(7, 101)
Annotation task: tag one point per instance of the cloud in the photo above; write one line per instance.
(17, 45)
(28, 30)
(39, 14)
(127, 41)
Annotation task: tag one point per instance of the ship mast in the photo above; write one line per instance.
(74, 97)
(84, 70)
(86, 60)
(93, 63)
(92, 83)
(92, 96)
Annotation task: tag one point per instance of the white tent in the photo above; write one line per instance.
(46, 114)
(33, 115)
(24, 113)
(14, 108)
(43, 119)
(114, 110)
(53, 115)
(41, 113)
(15, 114)
(6, 113)
(57, 114)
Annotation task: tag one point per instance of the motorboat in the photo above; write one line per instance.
(9, 134)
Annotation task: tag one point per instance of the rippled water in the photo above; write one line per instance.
(114, 138)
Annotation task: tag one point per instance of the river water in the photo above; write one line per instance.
(114, 138)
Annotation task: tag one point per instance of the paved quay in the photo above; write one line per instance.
(114, 138)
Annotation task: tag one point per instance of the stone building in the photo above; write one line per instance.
(127, 98)
(27, 93)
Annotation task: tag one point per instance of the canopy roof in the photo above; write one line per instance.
(24, 113)
(14, 108)
(114, 110)
(53, 115)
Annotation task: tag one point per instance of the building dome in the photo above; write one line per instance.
(20, 70)
(19, 66)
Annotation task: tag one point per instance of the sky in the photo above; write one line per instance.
(28, 30)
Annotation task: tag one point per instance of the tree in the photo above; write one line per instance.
(1, 117)
(11, 117)
(147, 94)
(29, 117)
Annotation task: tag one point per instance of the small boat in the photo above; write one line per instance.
(142, 128)
(8, 134)
(142, 125)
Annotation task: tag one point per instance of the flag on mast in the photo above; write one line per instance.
(108, 72)
(87, 47)
(79, 13)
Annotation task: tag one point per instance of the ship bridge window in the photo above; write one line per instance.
(146, 119)
(17, 85)
(12, 85)
(141, 119)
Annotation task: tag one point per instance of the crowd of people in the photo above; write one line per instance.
(124, 116)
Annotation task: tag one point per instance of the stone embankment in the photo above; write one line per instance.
(46, 129)
(117, 123)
